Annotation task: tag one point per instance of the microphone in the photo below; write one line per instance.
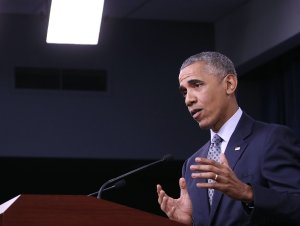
(118, 184)
(163, 159)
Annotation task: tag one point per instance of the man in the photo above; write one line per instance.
(249, 173)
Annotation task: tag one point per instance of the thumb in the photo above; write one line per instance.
(182, 185)
(223, 160)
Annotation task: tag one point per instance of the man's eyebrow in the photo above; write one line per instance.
(193, 81)
(190, 82)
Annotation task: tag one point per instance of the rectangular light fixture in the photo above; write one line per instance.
(75, 21)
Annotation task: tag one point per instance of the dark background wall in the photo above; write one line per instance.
(137, 117)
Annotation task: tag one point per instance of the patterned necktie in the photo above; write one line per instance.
(214, 154)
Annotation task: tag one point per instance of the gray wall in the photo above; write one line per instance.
(141, 115)
(258, 31)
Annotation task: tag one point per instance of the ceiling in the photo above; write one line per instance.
(172, 10)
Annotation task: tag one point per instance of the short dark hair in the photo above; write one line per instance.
(218, 62)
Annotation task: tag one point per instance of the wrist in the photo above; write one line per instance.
(248, 194)
(247, 201)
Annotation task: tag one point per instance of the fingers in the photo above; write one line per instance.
(206, 165)
(207, 175)
(179, 209)
(183, 187)
(210, 169)
(165, 202)
(207, 161)
(182, 183)
(225, 179)
(216, 177)
(158, 188)
(161, 193)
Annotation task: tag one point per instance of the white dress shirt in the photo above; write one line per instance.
(227, 129)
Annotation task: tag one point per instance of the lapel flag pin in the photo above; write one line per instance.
(237, 148)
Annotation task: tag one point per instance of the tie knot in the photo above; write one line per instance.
(217, 140)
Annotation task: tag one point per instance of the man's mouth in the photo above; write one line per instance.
(195, 112)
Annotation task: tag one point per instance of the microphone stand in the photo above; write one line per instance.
(165, 158)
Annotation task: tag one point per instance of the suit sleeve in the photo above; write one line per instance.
(278, 201)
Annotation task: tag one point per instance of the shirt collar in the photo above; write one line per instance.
(229, 126)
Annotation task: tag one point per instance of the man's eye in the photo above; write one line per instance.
(183, 92)
(197, 84)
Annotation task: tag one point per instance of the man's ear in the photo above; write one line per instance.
(231, 83)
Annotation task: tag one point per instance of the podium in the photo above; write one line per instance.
(73, 210)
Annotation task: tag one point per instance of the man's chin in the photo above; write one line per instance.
(203, 125)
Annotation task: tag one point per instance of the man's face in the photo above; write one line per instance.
(205, 95)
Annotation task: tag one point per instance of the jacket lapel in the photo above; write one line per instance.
(233, 153)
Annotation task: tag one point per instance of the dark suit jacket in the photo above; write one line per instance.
(267, 156)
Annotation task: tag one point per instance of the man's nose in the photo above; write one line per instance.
(190, 99)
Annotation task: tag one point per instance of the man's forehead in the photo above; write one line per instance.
(192, 70)
(183, 77)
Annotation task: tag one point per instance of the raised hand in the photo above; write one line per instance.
(179, 209)
(226, 180)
